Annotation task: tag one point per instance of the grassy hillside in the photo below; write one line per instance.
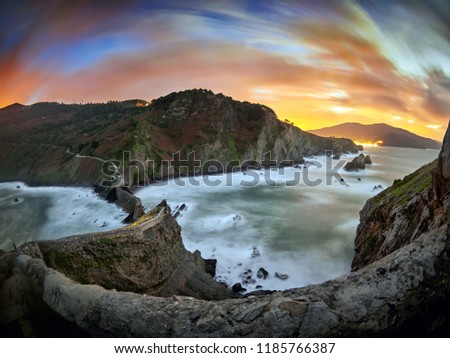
(49, 143)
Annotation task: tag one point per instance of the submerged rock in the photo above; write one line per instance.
(262, 273)
(237, 288)
(255, 252)
(281, 276)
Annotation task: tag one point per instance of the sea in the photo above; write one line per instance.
(299, 224)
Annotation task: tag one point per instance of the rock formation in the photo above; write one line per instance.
(402, 213)
(262, 273)
(358, 163)
(124, 198)
(147, 257)
(402, 294)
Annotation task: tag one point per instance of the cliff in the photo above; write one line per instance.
(50, 143)
(400, 214)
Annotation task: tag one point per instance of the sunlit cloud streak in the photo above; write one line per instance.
(316, 63)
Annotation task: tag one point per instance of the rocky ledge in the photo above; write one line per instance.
(403, 294)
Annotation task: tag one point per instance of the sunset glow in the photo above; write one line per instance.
(369, 144)
(316, 63)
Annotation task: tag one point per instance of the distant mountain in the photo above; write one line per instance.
(13, 107)
(54, 143)
(384, 134)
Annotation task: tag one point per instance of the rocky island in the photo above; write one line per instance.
(358, 163)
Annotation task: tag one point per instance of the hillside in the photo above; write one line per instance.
(385, 134)
(52, 143)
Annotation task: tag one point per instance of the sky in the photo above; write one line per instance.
(317, 63)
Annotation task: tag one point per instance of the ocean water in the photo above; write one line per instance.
(244, 220)
(48, 213)
(304, 231)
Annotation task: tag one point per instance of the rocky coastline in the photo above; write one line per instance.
(141, 141)
(398, 286)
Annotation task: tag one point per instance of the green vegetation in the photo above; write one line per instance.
(34, 145)
(97, 256)
(403, 190)
(64, 262)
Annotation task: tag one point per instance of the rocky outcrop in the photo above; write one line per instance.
(395, 217)
(358, 163)
(210, 266)
(402, 213)
(124, 198)
(147, 257)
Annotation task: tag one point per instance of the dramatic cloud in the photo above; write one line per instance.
(316, 63)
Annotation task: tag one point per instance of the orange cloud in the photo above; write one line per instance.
(341, 74)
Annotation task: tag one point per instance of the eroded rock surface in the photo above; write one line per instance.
(358, 163)
(403, 294)
(147, 257)
(400, 214)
